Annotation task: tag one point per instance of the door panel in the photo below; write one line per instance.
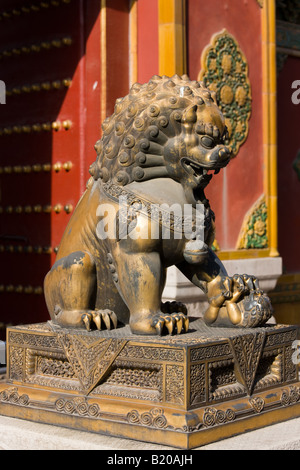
(50, 63)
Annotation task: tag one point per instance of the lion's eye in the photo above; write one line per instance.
(207, 142)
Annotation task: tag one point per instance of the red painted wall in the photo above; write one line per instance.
(234, 190)
(147, 39)
(117, 53)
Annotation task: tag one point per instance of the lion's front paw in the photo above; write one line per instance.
(102, 319)
(173, 323)
(237, 301)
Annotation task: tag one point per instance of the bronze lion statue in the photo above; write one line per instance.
(158, 152)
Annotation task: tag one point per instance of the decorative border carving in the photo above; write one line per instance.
(133, 379)
(154, 418)
(12, 396)
(175, 384)
(247, 351)
(208, 352)
(78, 406)
(257, 404)
(50, 369)
(253, 233)
(274, 375)
(152, 353)
(224, 384)
(213, 416)
(90, 357)
(290, 396)
(197, 384)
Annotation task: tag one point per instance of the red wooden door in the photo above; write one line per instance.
(50, 63)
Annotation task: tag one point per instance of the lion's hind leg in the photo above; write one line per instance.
(70, 292)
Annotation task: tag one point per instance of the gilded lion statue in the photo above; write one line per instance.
(157, 154)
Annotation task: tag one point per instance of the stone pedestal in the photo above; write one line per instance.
(184, 391)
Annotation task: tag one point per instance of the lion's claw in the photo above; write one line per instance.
(87, 318)
(158, 323)
(179, 321)
(172, 323)
(102, 319)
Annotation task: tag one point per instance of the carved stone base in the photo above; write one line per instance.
(184, 391)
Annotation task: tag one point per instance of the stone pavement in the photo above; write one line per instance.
(17, 434)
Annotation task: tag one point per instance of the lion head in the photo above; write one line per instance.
(168, 127)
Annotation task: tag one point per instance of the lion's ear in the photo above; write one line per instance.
(190, 114)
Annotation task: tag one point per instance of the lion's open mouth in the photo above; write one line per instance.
(200, 174)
